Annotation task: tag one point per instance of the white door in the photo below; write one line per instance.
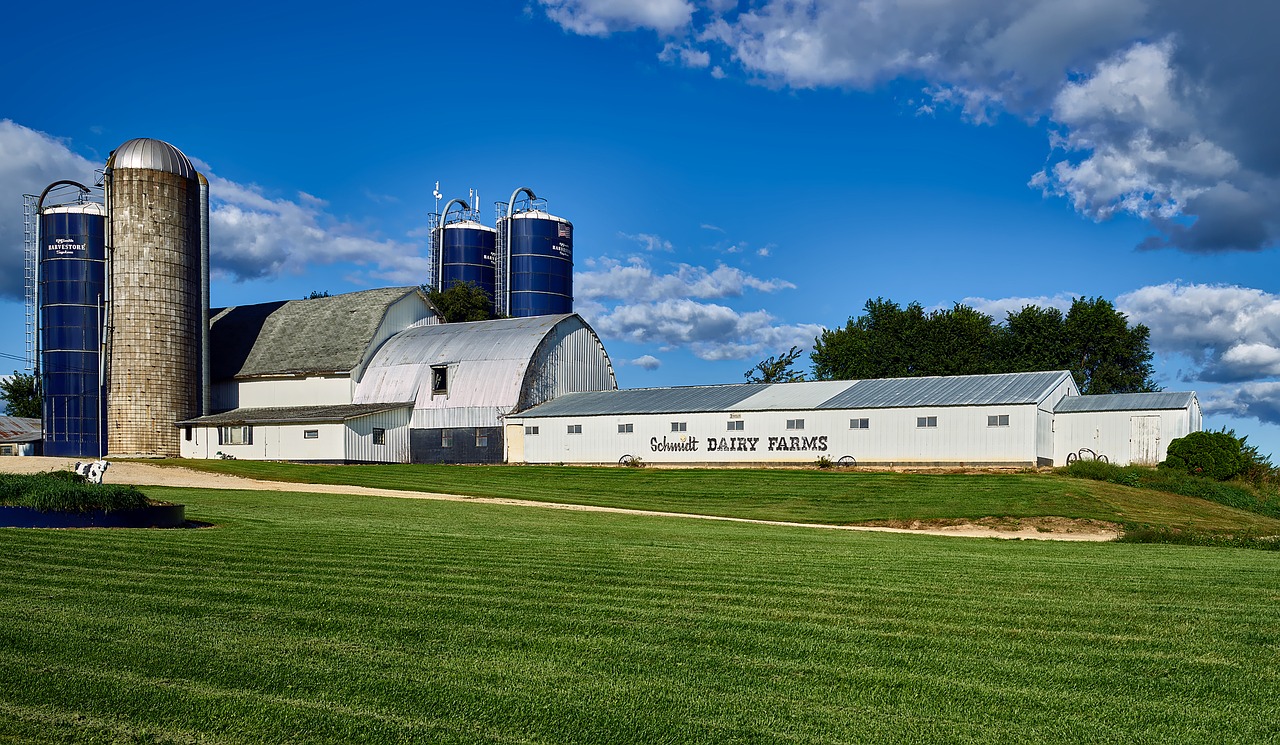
(1144, 440)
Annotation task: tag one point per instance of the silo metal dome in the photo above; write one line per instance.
(152, 155)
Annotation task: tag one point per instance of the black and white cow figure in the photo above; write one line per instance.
(93, 471)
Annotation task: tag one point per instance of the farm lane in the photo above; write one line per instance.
(145, 474)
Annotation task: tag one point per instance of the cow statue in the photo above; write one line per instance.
(92, 471)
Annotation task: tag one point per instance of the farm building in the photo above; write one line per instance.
(372, 376)
(1125, 427)
(20, 435)
(1004, 420)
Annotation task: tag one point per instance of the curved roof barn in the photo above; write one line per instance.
(472, 374)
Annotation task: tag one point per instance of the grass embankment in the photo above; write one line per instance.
(830, 497)
(307, 618)
(65, 491)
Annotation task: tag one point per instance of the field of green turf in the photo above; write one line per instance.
(321, 618)
(832, 497)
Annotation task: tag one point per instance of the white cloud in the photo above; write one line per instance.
(636, 281)
(601, 17)
(649, 242)
(709, 226)
(710, 331)
(1229, 333)
(647, 362)
(29, 161)
(685, 55)
(1161, 110)
(1259, 400)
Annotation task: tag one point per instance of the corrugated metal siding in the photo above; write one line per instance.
(1127, 402)
(809, 395)
(359, 437)
(1109, 432)
(570, 359)
(648, 400)
(409, 311)
(959, 390)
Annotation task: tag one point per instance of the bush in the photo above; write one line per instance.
(1152, 534)
(823, 462)
(65, 491)
(1242, 496)
(1216, 455)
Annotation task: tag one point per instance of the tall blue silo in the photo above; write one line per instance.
(540, 264)
(467, 255)
(72, 290)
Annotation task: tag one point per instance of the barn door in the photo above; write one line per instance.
(1144, 440)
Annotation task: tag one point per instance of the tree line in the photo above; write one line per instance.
(1092, 339)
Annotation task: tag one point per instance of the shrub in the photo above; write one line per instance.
(64, 491)
(1153, 534)
(823, 462)
(1215, 455)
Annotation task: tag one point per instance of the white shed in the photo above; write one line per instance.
(1125, 427)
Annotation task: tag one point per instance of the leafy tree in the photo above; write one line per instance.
(463, 301)
(776, 369)
(21, 394)
(1093, 340)
(1106, 355)
(316, 294)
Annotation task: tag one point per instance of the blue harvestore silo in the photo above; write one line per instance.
(72, 290)
(467, 255)
(540, 264)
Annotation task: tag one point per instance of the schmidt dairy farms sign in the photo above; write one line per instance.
(816, 444)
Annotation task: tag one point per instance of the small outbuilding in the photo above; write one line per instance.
(1124, 427)
(20, 435)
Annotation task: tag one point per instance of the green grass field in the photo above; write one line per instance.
(305, 618)
(831, 497)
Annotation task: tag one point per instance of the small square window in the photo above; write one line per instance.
(575, 429)
(310, 434)
(1000, 420)
(679, 426)
(482, 438)
(860, 424)
(626, 429)
(926, 421)
(446, 438)
(379, 436)
(795, 424)
(737, 425)
(440, 380)
(531, 430)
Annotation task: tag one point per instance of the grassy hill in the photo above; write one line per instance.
(832, 497)
(335, 618)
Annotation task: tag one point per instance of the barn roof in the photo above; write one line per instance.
(292, 337)
(19, 429)
(1126, 402)
(959, 390)
(292, 414)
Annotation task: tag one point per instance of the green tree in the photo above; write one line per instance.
(463, 301)
(21, 395)
(776, 369)
(1105, 354)
(317, 294)
(1093, 340)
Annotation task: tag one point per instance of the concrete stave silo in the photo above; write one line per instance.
(157, 298)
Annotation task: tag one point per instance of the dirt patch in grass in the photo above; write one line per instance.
(1034, 527)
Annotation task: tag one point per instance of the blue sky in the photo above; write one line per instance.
(739, 176)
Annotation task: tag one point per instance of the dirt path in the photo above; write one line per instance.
(1043, 529)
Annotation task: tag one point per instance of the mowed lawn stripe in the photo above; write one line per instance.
(337, 619)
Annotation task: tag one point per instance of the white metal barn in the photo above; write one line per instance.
(1124, 427)
(962, 420)
(374, 377)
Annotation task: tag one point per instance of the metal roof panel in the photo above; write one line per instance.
(1126, 402)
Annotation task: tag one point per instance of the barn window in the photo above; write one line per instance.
(626, 429)
(679, 426)
(795, 424)
(379, 436)
(860, 423)
(926, 421)
(446, 438)
(242, 435)
(310, 434)
(439, 380)
(575, 429)
(737, 425)
(998, 420)
(531, 430)
(482, 438)
(186, 433)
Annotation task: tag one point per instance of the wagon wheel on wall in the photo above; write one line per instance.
(626, 459)
(847, 461)
(1072, 458)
